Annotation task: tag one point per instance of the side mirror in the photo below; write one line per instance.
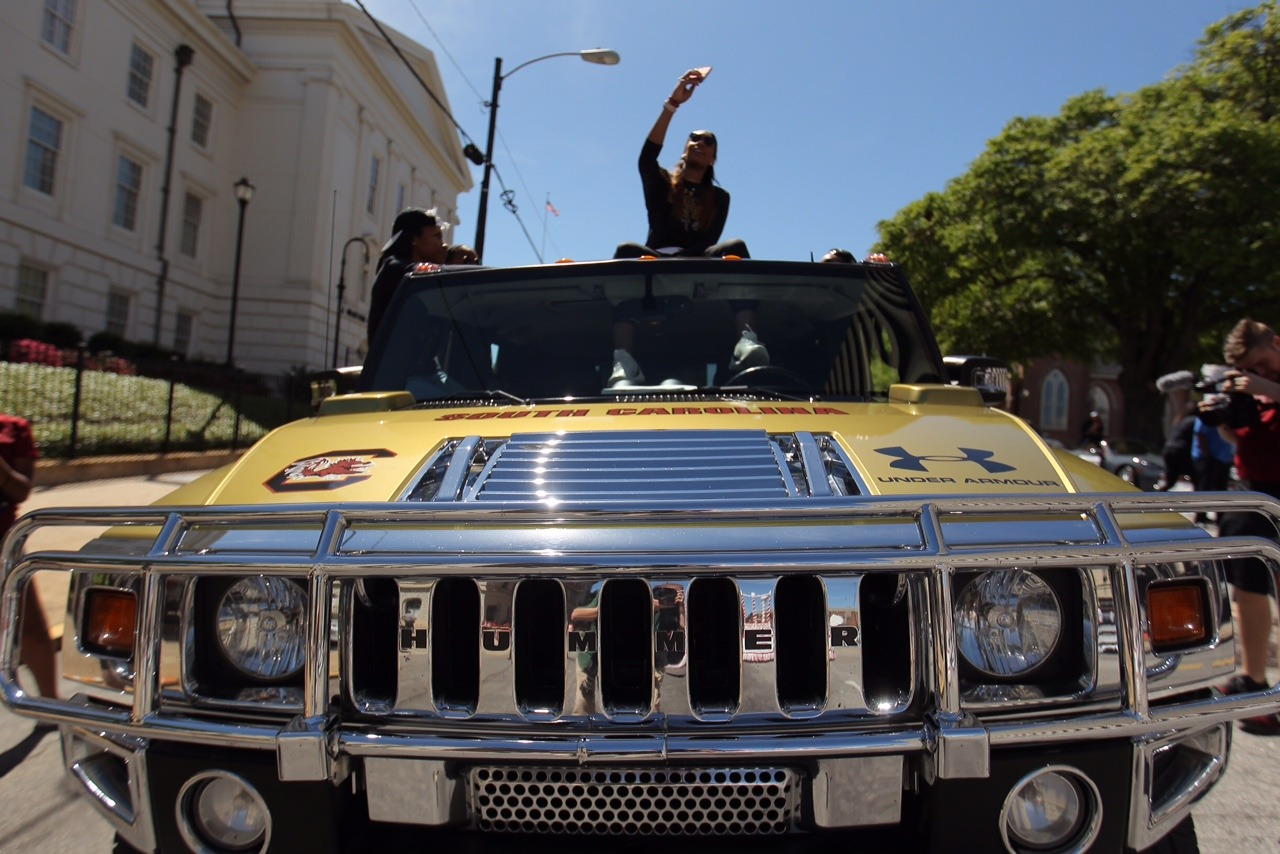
(988, 375)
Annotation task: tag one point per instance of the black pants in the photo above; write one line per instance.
(719, 250)
(1249, 573)
(1211, 475)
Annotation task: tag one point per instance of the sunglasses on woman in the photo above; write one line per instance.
(708, 138)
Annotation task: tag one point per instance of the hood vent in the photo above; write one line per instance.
(613, 467)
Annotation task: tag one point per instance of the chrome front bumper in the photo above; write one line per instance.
(931, 540)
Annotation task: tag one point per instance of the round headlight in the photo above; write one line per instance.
(261, 626)
(1008, 622)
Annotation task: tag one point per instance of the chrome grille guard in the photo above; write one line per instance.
(930, 538)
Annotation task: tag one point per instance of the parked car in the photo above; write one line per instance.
(492, 595)
(1132, 460)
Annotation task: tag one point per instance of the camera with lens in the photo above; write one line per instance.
(1220, 405)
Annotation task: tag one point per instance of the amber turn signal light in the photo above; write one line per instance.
(110, 618)
(1179, 615)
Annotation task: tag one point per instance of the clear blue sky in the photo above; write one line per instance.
(831, 116)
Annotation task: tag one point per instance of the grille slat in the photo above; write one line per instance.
(710, 649)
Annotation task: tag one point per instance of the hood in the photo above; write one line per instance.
(612, 452)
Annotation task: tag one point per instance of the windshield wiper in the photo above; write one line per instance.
(485, 394)
(756, 391)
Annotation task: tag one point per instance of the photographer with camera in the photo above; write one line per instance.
(1246, 411)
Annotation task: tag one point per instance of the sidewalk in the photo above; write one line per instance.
(121, 481)
(52, 472)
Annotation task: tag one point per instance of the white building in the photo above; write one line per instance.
(111, 222)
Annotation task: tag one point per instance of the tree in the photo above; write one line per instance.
(1132, 229)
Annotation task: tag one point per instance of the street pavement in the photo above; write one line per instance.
(43, 814)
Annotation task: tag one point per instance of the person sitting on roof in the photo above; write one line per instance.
(687, 213)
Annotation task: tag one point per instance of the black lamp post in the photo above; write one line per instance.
(244, 192)
(597, 56)
(342, 289)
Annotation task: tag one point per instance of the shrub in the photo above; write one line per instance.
(38, 352)
(60, 334)
(100, 341)
(14, 326)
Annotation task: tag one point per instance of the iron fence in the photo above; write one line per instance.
(83, 404)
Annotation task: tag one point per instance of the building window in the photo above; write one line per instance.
(128, 187)
(182, 324)
(375, 166)
(117, 312)
(33, 290)
(1054, 394)
(44, 141)
(55, 28)
(201, 120)
(400, 190)
(192, 213)
(141, 64)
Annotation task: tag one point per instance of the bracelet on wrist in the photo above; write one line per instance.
(670, 106)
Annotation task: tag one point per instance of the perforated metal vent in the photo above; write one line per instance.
(629, 802)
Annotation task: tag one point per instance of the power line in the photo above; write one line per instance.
(470, 150)
(413, 5)
(507, 200)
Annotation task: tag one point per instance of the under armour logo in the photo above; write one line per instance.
(911, 462)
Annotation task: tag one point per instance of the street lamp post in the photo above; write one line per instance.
(244, 192)
(597, 56)
(342, 289)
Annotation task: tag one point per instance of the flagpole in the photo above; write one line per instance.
(546, 209)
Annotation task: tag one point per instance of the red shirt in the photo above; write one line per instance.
(1258, 447)
(16, 443)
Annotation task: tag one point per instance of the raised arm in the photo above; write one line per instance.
(683, 91)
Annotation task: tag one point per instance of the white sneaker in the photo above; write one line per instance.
(626, 371)
(748, 353)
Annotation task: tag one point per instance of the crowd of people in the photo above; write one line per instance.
(1251, 433)
(1237, 424)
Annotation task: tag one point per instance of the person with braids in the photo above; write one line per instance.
(687, 212)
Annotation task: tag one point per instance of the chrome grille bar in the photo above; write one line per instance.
(758, 629)
(497, 676)
(676, 690)
(844, 669)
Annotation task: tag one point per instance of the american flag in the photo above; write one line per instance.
(551, 209)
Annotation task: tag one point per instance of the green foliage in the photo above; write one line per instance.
(14, 326)
(120, 414)
(107, 342)
(1132, 228)
(61, 334)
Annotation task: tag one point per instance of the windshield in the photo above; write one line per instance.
(830, 330)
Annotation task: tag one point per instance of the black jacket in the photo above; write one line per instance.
(677, 224)
(391, 270)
